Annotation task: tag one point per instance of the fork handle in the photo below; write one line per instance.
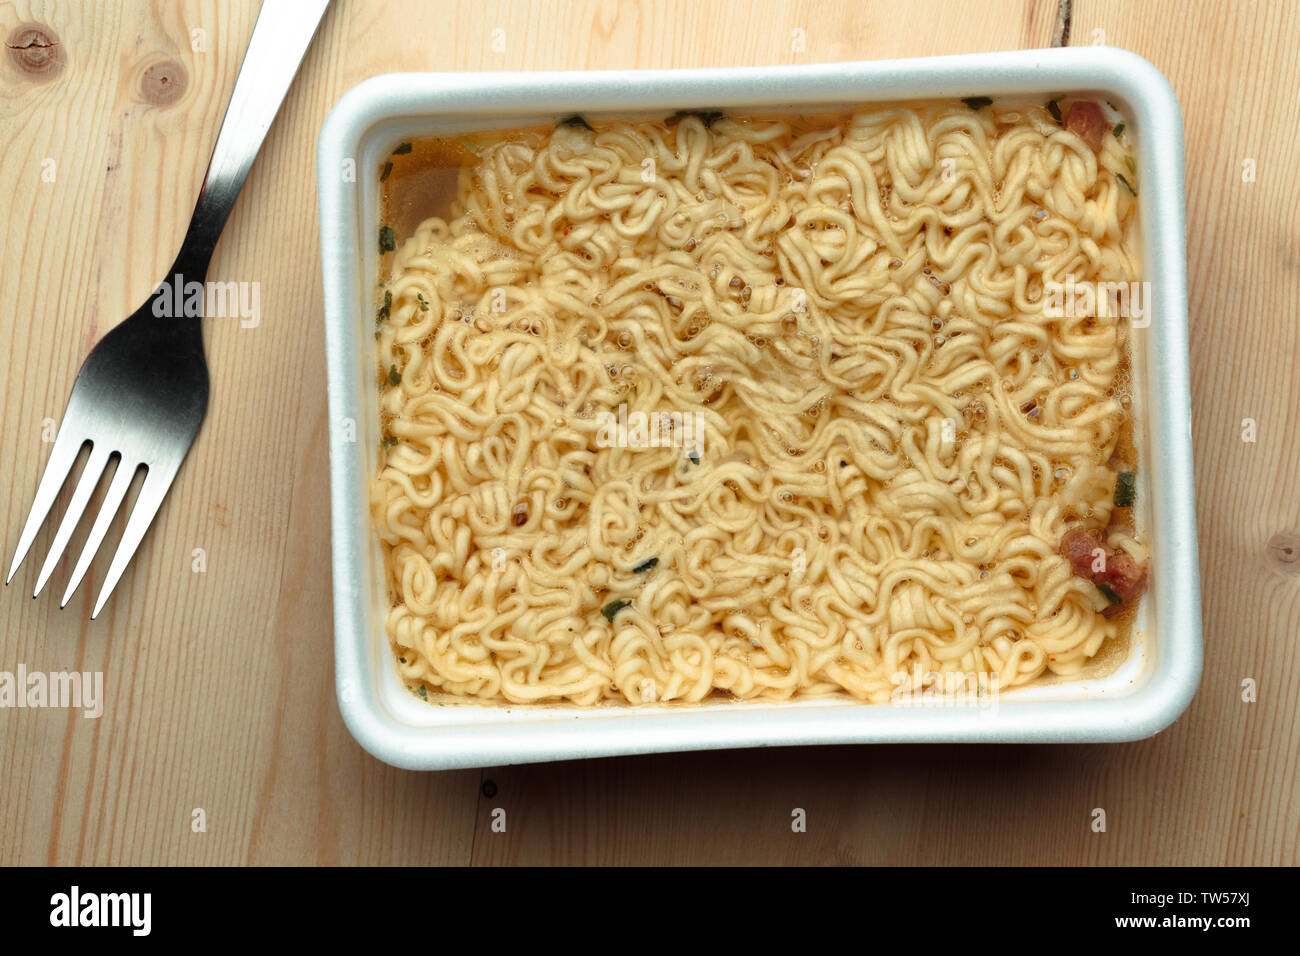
(281, 36)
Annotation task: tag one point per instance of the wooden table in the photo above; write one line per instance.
(218, 684)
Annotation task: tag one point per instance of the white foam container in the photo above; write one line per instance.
(1143, 695)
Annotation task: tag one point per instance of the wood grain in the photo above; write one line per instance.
(218, 685)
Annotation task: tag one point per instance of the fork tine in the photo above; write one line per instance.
(152, 493)
(90, 476)
(66, 449)
(112, 501)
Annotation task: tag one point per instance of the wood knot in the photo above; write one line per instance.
(163, 83)
(1284, 550)
(35, 51)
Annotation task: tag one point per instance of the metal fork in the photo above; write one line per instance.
(142, 391)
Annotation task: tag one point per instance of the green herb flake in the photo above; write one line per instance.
(1125, 489)
(423, 692)
(401, 660)
(388, 168)
(1127, 185)
(645, 565)
(612, 608)
(424, 303)
(387, 239)
(693, 457)
(1118, 131)
(977, 102)
(1055, 111)
(1132, 166)
(1109, 593)
(577, 121)
(394, 376)
(386, 309)
(402, 148)
(389, 441)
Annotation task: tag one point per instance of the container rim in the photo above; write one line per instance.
(1124, 76)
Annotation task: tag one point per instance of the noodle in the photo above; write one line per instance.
(891, 429)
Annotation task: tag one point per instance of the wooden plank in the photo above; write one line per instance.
(218, 685)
